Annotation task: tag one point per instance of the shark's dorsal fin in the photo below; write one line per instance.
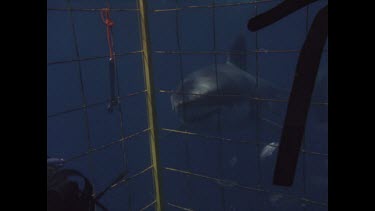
(237, 56)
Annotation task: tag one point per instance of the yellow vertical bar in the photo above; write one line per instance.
(151, 111)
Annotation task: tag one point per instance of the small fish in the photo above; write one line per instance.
(268, 150)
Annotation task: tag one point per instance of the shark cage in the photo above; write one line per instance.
(185, 100)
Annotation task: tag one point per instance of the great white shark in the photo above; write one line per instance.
(225, 89)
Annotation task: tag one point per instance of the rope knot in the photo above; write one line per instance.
(104, 13)
(109, 22)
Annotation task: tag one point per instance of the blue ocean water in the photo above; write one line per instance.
(229, 168)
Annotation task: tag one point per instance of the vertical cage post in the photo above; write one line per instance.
(151, 111)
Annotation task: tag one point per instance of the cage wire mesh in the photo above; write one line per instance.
(220, 164)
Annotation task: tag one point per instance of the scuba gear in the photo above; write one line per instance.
(64, 194)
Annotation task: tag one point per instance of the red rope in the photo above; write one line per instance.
(104, 13)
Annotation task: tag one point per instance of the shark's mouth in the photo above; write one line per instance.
(196, 111)
(201, 108)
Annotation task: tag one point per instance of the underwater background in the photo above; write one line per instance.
(229, 167)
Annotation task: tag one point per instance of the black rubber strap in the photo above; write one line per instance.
(299, 100)
(273, 15)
